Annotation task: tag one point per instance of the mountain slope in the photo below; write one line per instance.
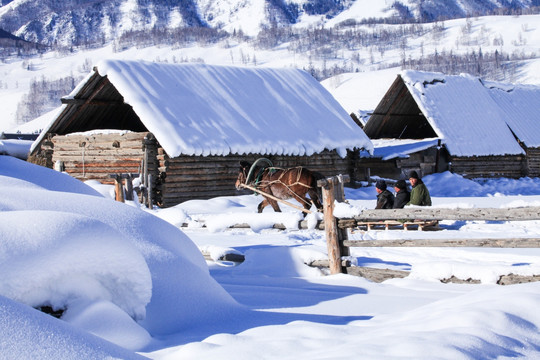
(83, 22)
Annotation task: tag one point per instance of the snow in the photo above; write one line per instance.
(387, 149)
(133, 284)
(272, 305)
(361, 92)
(17, 148)
(197, 109)
(461, 110)
(520, 105)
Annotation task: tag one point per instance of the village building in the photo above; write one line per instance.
(395, 158)
(484, 129)
(184, 128)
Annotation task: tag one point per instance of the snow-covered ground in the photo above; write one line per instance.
(133, 284)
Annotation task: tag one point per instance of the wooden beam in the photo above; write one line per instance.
(105, 81)
(93, 102)
(431, 213)
(393, 115)
(275, 198)
(470, 242)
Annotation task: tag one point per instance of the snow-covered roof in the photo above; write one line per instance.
(521, 106)
(198, 109)
(388, 149)
(470, 118)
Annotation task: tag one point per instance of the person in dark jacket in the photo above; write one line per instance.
(385, 199)
(419, 193)
(402, 194)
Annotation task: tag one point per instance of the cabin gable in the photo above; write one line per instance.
(397, 116)
(97, 105)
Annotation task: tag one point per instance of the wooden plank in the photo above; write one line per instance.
(512, 279)
(380, 275)
(431, 213)
(105, 158)
(471, 242)
(375, 274)
(100, 137)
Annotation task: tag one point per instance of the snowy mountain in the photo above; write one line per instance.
(80, 22)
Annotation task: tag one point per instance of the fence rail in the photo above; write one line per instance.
(338, 243)
(430, 213)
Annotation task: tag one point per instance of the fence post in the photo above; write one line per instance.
(334, 235)
(330, 227)
(118, 188)
(129, 187)
(339, 194)
(150, 189)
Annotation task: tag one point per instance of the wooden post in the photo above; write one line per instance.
(118, 189)
(129, 186)
(339, 194)
(150, 189)
(334, 236)
(145, 193)
(330, 227)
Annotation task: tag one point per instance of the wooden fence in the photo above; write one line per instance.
(338, 243)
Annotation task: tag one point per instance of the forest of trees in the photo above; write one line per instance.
(44, 96)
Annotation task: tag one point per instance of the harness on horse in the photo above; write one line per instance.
(261, 171)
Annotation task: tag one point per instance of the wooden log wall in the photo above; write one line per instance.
(205, 177)
(96, 156)
(489, 166)
(533, 162)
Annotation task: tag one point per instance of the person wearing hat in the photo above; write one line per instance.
(385, 199)
(403, 196)
(419, 193)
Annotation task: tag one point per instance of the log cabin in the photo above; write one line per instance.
(186, 127)
(485, 129)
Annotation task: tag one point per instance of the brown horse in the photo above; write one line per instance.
(283, 184)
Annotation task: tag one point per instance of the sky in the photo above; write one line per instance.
(133, 282)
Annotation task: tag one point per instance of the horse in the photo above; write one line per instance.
(283, 184)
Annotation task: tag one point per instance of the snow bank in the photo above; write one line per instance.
(16, 148)
(30, 334)
(63, 248)
(52, 258)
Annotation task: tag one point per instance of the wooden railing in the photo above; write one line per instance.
(338, 243)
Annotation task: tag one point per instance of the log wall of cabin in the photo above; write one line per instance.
(489, 166)
(205, 177)
(533, 162)
(94, 157)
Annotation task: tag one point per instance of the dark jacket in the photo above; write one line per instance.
(420, 195)
(403, 196)
(385, 200)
